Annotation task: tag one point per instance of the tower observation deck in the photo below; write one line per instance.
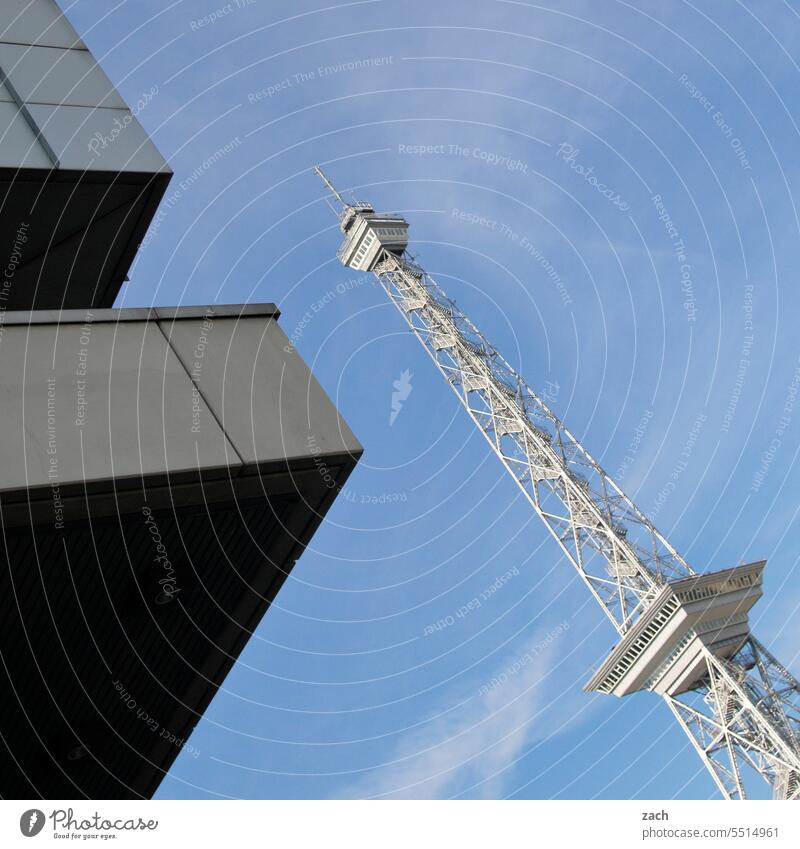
(682, 635)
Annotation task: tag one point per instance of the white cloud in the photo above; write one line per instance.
(470, 748)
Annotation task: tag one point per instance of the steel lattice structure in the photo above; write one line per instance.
(682, 635)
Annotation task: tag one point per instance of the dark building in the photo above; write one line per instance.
(161, 470)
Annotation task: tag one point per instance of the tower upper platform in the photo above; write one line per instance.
(366, 232)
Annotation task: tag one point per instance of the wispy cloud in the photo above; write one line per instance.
(470, 749)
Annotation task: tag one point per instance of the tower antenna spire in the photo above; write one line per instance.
(333, 190)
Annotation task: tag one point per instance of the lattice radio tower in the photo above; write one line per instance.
(682, 635)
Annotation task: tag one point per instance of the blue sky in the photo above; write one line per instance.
(627, 174)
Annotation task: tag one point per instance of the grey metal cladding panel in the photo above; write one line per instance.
(37, 22)
(18, 145)
(56, 76)
(139, 417)
(273, 406)
(93, 139)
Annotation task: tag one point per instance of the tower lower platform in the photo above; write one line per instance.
(663, 651)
